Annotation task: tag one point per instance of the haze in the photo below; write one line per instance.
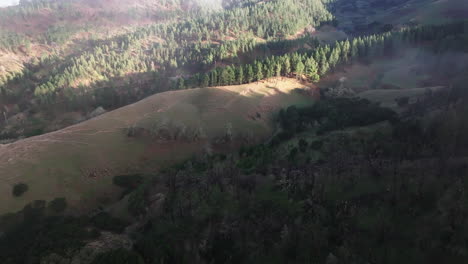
(233, 131)
(4, 3)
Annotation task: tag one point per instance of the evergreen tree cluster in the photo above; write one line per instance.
(319, 61)
(311, 64)
(11, 41)
(186, 43)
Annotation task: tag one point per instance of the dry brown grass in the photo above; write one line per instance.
(78, 162)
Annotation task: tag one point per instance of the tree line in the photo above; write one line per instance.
(317, 62)
(190, 46)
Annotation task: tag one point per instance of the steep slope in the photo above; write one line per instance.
(79, 162)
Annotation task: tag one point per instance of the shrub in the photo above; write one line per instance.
(34, 211)
(316, 145)
(303, 144)
(128, 182)
(105, 221)
(34, 132)
(292, 154)
(137, 202)
(19, 189)
(58, 205)
(402, 101)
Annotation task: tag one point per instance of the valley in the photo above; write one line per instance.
(233, 131)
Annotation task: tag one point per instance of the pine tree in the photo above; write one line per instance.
(250, 74)
(260, 32)
(205, 81)
(334, 56)
(240, 75)
(311, 69)
(362, 48)
(258, 71)
(299, 68)
(345, 50)
(295, 58)
(271, 69)
(354, 48)
(231, 75)
(214, 78)
(286, 66)
(324, 68)
(278, 69)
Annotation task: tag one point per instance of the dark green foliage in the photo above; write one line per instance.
(341, 113)
(351, 207)
(34, 132)
(128, 182)
(281, 136)
(153, 251)
(105, 221)
(335, 114)
(35, 235)
(253, 159)
(292, 154)
(137, 201)
(58, 205)
(118, 256)
(303, 144)
(19, 189)
(290, 119)
(316, 145)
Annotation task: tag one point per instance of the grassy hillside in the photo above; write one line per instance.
(78, 162)
(408, 73)
(389, 97)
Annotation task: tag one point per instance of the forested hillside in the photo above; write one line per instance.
(344, 180)
(234, 131)
(79, 70)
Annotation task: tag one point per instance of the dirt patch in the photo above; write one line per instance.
(301, 32)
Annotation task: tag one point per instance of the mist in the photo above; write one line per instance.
(4, 3)
(210, 4)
